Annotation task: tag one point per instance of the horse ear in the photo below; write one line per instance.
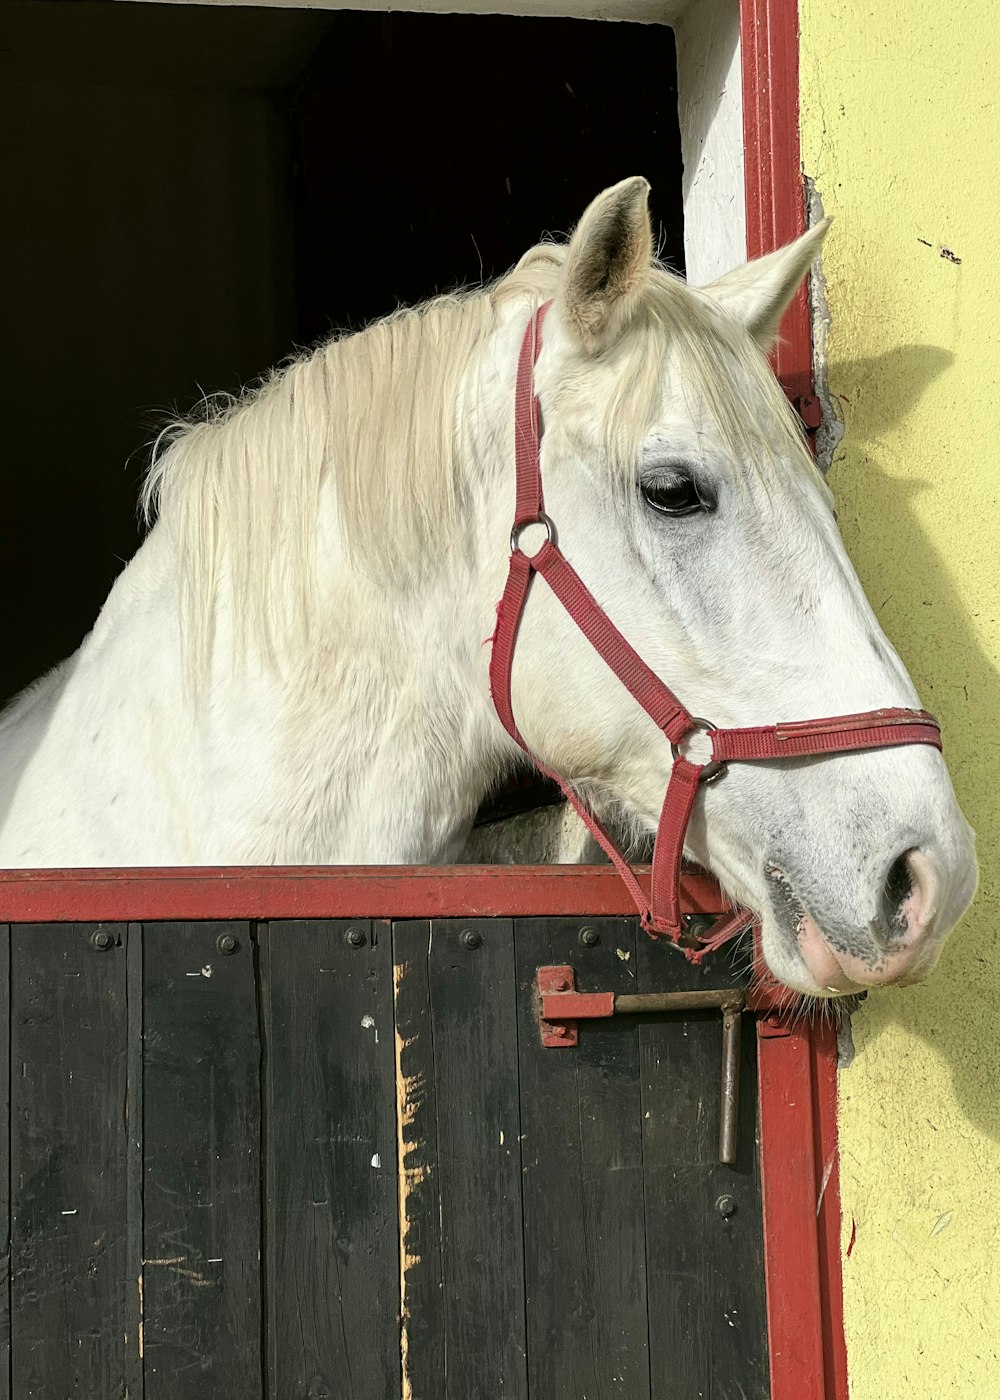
(758, 292)
(607, 263)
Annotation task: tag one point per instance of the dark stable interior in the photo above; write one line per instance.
(192, 193)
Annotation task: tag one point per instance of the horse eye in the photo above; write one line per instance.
(678, 496)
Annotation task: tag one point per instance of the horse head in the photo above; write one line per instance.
(685, 497)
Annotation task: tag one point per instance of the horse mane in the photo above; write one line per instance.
(372, 418)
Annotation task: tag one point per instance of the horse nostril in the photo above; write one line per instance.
(898, 885)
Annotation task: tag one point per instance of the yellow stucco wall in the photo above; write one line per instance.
(901, 133)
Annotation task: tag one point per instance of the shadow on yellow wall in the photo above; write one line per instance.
(956, 1010)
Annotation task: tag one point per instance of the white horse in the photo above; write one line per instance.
(293, 668)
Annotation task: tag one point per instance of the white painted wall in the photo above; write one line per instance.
(710, 101)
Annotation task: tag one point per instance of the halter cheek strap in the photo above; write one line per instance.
(661, 912)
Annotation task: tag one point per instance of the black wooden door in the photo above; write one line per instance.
(330, 1159)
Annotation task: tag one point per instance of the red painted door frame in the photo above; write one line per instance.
(797, 1066)
(775, 191)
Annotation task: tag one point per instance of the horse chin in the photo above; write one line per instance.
(795, 949)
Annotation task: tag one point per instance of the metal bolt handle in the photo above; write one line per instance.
(561, 1007)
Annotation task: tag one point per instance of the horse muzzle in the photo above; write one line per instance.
(899, 943)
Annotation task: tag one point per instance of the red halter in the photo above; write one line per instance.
(661, 914)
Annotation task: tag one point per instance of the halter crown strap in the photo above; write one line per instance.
(661, 912)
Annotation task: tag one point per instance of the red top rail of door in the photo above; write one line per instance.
(344, 892)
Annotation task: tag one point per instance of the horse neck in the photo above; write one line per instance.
(375, 745)
(390, 737)
(373, 742)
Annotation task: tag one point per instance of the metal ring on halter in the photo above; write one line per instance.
(540, 519)
(716, 766)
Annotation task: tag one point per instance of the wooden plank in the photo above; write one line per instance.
(421, 1270)
(5, 1162)
(585, 1255)
(463, 1287)
(134, 1379)
(67, 1153)
(201, 1195)
(708, 1332)
(331, 1241)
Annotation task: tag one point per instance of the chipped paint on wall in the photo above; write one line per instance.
(900, 137)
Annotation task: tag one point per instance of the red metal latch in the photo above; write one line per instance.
(561, 1007)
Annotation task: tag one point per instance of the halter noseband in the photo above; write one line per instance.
(661, 913)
